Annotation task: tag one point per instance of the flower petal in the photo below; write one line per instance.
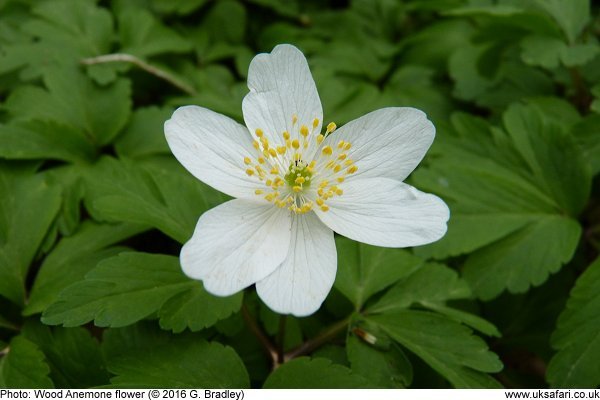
(281, 86)
(235, 245)
(301, 284)
(212, 147)
(389, 142)
(385, 212)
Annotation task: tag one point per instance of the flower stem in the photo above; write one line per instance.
(319, 340)
(268, 347)
(138, 62)
(281, 338)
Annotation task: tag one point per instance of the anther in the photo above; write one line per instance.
(297, 189)
(247, 160)
(295, 143)
(250, 172)
(331, 127)
(258, 191)
(327, 150)
(304, 130)
(324, 208)
(259, 132)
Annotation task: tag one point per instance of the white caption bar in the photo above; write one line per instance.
(258, 394)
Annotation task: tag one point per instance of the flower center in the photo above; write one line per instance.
(290, 179)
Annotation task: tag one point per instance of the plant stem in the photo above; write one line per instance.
(268, 347)
(131, 59)
(582, 97)
(281, 338)
(4, 352)
(316, 342)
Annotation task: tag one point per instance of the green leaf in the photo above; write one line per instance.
(571, 15)
(587, 134)
(387, 369)
(24, 367)
(143, 193)
(524, 258)
(74, 357)
(579, 54)
(182, 364)
(126, 288)
(512, 197)
(577, 335)
(366, 270)
(62, 33)
(28, 205)
(431, 286)
(144, 36)
(119, 291)
(432, 283)
(73, 258)
(448, 347)
(28, 140)
(197, 309)
(144, 134)
(542, 51)
(181, 7)
(98, 113)
(317, 373)
(545, 148)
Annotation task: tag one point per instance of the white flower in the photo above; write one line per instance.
(294, 186)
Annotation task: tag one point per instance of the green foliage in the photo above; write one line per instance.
(24, 367)
(577, 335)
(126, 288)
(94, 208)
(169, 366)
(317, 373)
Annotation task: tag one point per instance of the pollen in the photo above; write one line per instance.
(304, 130)
(331, 127)
(304, 178)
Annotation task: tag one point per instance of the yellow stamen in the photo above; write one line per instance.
(300, 180)
(247, 160)
(327, 150)
(281, 149)
(352, 169)
(297, 189)
(331, 127)
(258, 191)
(295, 143)
(259, 132)
(324, 208)
(272, 152)
(304, 130)
(250, 172)
(261, 160)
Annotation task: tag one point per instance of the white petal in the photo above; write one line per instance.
(389, 142)
(301, 284)
(281, 86)
(385, 212)
(212, 147)
(236, 244)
